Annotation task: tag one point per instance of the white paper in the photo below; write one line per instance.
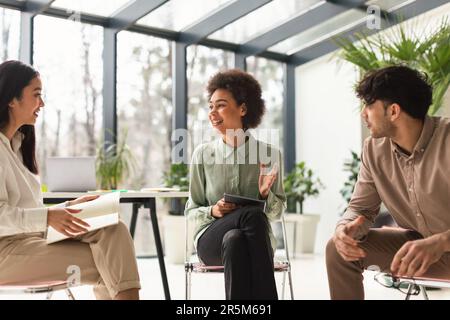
(98, 213)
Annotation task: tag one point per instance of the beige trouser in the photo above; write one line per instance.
(345, 278)
(105, 257)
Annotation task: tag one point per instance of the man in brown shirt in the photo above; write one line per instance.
(406, 165)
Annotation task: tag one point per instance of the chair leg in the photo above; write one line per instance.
(410, 291)
(188, 275)
(283, 285)
(69, 294)
(49, 295)
(291, 288)
(424, 292)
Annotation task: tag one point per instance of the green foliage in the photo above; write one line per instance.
(300, 184)
(177, 176)
(114, 162)
(402, 45)
(352, 167)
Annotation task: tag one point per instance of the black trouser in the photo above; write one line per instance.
(240, 242)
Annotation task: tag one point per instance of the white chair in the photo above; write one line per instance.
(193, 265)
(38, 287)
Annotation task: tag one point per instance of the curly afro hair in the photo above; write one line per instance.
(245, 89)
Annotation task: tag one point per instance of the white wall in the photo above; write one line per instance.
(328, 126)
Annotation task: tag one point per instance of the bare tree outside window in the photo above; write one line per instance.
(269, 73)
(9, 34)
(144, 99)
(202, 64)
(72, 80)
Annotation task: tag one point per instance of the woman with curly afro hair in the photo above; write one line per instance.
(238, 237)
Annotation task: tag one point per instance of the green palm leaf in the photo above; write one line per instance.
(400, 45)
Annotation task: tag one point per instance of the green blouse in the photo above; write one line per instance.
(218, 168)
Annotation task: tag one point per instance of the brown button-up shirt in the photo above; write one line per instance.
(414, 188)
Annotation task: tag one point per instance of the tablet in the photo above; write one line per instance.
(244, 201)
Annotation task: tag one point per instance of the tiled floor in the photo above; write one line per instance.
(309, 279)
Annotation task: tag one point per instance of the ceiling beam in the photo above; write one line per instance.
(357, 4)
(219, 19)
(327, 45)
(132, 12)
(301, 22)
(12, 4)
(37, 6)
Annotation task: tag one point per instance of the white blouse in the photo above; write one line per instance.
(21, 206)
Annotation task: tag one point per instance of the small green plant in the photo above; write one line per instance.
(177, 177)
(299, 185)
(114, 162)
(352, 167)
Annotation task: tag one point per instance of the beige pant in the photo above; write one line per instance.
(345, 278)
(105, 257)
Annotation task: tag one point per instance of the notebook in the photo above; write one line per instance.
(425, 281)
(244, 201)
(98, 213)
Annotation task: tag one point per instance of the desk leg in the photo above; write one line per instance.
(134, 214)
(159, 250)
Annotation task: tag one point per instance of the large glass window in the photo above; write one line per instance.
(144, 114)
(203, 63)
(68, 56)
(144, 104)
(9, 34)
(269, 73)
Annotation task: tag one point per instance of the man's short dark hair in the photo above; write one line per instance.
(407, 87)
(245, 89)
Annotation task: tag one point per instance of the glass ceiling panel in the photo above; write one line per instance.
(98, 7)
(332, 27)
(179, 14)
(322, 31)
(262, 19)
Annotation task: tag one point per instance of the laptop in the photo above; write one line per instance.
(71, 174)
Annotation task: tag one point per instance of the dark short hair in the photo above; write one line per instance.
(399, 84)
(245, 89)
(14, 77)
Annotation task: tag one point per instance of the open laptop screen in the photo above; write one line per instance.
(71, 174)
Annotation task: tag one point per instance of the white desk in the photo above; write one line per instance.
(137, 198)
(123, 195)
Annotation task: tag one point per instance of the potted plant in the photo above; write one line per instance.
(177, 177)
(174, 225)
(299, 185)
(428, 53)
(113, 163)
